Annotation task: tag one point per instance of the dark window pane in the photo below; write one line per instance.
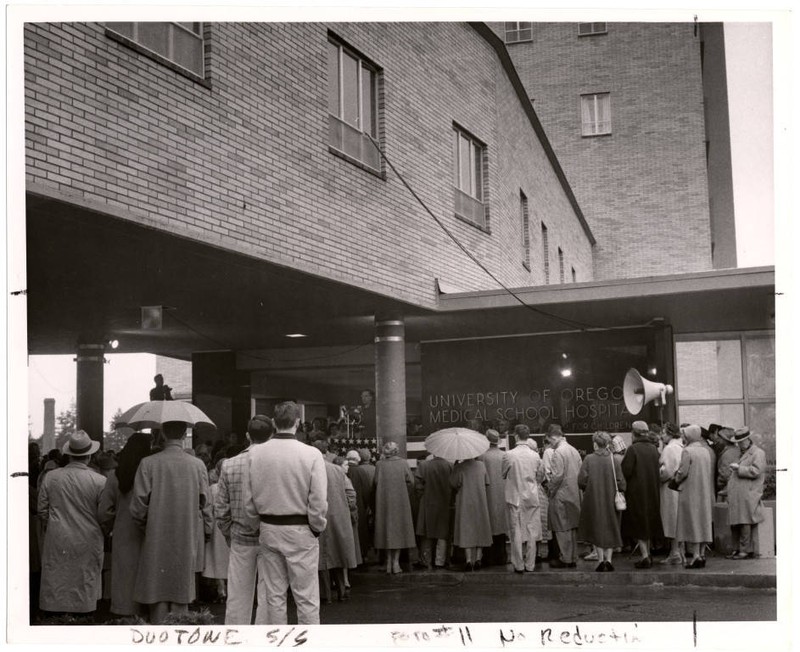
(350, 89)
(456, 182)
(187, 50)
(333, 79)
(478, 161)
(155, 37)
(524, 35)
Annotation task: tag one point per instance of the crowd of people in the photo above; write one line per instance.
(283, 512)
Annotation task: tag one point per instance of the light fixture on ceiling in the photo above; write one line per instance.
(566, 373)
(296, 335)
(113, 343)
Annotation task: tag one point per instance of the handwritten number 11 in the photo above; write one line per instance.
(463, 631)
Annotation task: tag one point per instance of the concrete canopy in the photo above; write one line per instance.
(89, 274)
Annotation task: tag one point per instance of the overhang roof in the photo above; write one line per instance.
(90, 273)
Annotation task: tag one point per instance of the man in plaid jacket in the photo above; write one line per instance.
(241, 532)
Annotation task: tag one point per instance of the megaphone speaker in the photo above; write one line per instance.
(638, 391)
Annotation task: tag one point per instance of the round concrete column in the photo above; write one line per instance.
(390, 381)
(89, 401)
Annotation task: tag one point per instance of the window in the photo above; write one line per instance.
(545, 254)
(560, 265)
(595, 114)
(574, 276)
(180, 44)
(469, 174)
(526, 235)
(728, 379)
(518, 32)
(353, 105)
(589, 29)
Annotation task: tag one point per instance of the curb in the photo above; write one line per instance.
(701, 579)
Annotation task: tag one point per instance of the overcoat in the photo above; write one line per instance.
(564, 509)
(362, 476)
(696, 499)
(493, 460)
(745, 488)
(336, 544)
(394, 526)
(669, 461)
(642, 518)
(172, 504)
(217, 551)
(599, 521)
(433, 478)
(352, 505)
(72, 558)
(126, 545)
(470, 481)
(728, 455)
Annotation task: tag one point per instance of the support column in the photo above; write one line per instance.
(89, 401)
(222, 392)
(390, 380)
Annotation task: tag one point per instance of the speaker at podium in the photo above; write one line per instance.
(638, 392)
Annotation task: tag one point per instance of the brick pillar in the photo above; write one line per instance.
(390, 380)
(89, 402)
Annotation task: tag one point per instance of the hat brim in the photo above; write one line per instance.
(92, 450)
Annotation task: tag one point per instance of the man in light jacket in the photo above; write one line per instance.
(287, 491)
(565, 497)
(522, 469)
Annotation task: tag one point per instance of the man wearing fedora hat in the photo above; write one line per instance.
(745, 488)
(72, 558)
(727, 453)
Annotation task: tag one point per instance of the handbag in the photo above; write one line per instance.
(619, 498)
(673, 484)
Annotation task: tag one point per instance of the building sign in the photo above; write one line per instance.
(574, 380)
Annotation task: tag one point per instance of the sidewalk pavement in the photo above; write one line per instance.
(719, 572)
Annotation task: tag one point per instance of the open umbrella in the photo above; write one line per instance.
(456, 444)
(152, 414)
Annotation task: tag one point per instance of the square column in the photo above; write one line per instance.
(89, 400)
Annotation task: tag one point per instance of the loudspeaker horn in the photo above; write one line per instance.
(638, 391)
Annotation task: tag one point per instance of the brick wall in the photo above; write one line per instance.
(243, 162)
(644, 188)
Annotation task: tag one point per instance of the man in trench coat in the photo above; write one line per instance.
(565, 498)
(72, 557)
(745, 488)
(171, 502)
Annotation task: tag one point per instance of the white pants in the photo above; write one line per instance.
(524, 526)
(290, 558)
(242, 572)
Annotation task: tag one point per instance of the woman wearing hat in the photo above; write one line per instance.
(695, 502)
(72, 558)
(745, 488)
(669, 461)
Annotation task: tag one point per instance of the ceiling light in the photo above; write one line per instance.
(295, 335)
(113, 343)
(566, 373)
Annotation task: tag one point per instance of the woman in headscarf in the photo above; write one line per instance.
(599, 520)
(362, 475)
(394, 525)
(694, 478)
(115, 517)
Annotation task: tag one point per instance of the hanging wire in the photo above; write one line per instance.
(564, 320)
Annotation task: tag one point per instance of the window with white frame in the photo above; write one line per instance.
(595, 114)
(180, 44)
(518, 32)
(353, 105)
(469, 174)
(526, 235)
(591, 29)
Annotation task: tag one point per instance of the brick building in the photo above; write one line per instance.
(627, 108)
(227, 173)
